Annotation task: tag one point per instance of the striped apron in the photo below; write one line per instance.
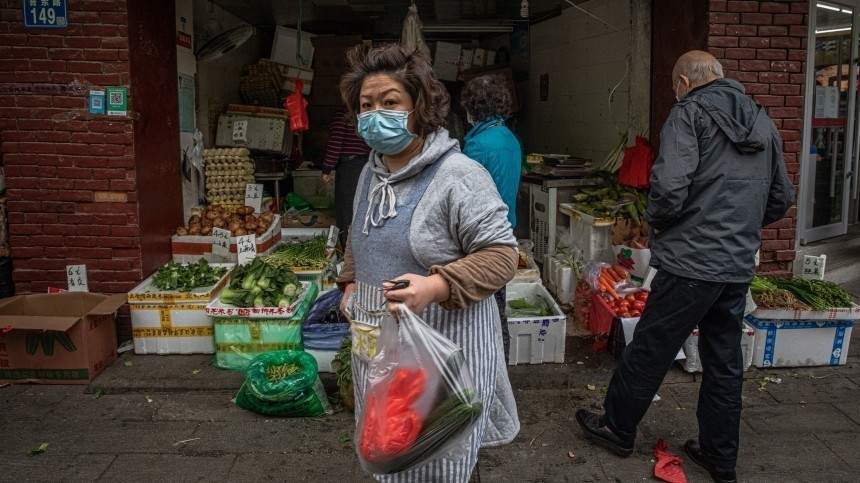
(384, 253)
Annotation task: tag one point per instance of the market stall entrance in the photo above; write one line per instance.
(827, 200)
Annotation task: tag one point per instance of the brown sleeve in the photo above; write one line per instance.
(477, 275)
(347, 275)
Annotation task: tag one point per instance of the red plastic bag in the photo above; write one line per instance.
(297, 106)
(636, 168)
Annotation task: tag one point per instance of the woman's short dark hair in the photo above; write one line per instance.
(411, 68)
(486, 96)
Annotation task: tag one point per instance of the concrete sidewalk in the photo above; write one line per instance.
(169, 418)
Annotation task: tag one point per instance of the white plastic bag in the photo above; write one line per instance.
(420, 402)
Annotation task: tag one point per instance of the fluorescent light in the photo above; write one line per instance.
(827, 31)
(828, 7)
(845, 10)
(467, 28)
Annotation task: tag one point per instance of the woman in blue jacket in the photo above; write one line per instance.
(487, 102)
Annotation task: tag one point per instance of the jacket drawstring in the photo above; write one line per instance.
(386, 209)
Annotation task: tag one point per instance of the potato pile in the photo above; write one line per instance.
(240, 221)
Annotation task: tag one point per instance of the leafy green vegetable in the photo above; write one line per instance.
(307, 254)
(41, 449)
(817, 294)
(184, 278)
(523, 308)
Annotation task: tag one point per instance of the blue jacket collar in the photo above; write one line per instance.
(483, 126)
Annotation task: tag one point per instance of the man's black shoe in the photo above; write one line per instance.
(595, 430)
(720, 475)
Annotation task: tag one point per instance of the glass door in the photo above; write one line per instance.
(831, 112)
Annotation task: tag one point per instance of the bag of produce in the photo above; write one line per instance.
(420, 399)
(325, 326)
(284, 383)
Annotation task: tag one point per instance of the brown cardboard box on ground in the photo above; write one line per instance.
(64, 338)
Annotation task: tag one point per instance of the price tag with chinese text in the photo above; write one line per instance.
(254, 196)
(221, 242)
(77, 277)
(813, 267)
(246, 246)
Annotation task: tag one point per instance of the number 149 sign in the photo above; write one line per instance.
(45, 14)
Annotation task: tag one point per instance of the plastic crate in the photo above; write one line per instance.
(535, 340)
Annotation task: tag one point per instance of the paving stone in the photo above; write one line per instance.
(32, 402)
(176, 467)
(134, 437)
(286, 435)
(850, 409)
(844, 444)
(796, 419)
(687, 395)
(800, 388)
(295, 467)
(200, 407)
(800, 457)
(50, 466)
(173, 373)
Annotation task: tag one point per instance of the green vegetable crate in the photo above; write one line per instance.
(173, 322)
(242, 334)
(536, 339)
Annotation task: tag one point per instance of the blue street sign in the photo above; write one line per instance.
(46, 14)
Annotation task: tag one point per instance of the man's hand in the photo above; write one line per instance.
(326, 178)
(421, 292)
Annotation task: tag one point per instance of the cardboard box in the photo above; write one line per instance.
(256, 133)
(285, 45)
(330, 53)
(63, 338)
(446, 61)
(794, 343)
(190, 248)
(693, 363)
(167, 322)
(244, 333)
(535, 340)
(291, 73)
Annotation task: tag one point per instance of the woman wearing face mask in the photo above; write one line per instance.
(426, 213)
(487, 102)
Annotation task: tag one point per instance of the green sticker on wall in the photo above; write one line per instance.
(117, 101)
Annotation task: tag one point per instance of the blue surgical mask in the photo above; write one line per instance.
(385, 130)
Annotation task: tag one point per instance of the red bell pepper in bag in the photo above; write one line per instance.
(391, 425)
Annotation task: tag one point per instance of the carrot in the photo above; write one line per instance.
(620, 271)
(610, 290)
(609, 287)
(610, 274)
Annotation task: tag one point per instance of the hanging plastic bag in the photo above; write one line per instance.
(297, 106)
(284, 383)
(636, 168)
(420, 401)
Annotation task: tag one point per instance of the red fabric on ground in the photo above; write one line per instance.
(668, 466)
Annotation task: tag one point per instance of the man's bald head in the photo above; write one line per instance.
(699, 67)
(693, 69)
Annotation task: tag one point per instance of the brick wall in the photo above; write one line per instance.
(81, 188)
(763, 45)
(71, 186)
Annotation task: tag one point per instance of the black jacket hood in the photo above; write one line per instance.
(725, 101)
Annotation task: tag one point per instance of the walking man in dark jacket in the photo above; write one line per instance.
(720, 176)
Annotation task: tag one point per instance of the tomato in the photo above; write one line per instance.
(625, 315)
(635, 313)
(637, 305)
(622, 304)
(630, 297)
(643, 296)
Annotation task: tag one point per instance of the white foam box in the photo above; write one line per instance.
(324, 359)
(166, 322)
(560, 279)
(693, 363)
(261, 133)
(529, 274)
(847, 313)
(190, 248)
(285, 45)
(795, 343)
(539, 339)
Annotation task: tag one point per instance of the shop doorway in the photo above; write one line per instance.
(827, 202)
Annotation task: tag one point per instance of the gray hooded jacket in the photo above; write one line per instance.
(720, 176)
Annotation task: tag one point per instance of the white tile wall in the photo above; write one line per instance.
(584, 59)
